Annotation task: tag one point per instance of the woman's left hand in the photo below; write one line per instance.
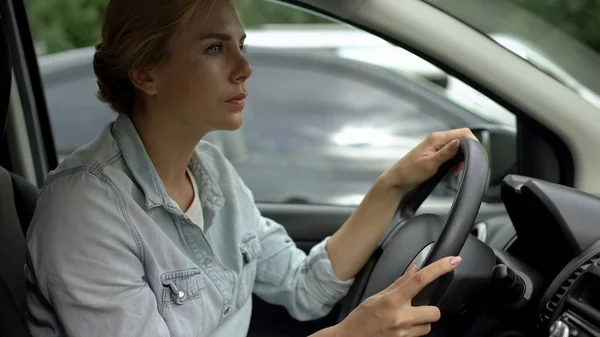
(352, 245)
(423, 161)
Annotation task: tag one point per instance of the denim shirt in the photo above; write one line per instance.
(110, 254)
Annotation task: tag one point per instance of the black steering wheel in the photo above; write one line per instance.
(424, 239)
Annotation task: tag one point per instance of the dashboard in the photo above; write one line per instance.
(571, 305)
(558, 239)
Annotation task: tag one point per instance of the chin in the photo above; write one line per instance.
(231, 123)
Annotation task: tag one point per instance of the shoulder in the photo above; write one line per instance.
(94, 178)
(103, 149)
(79, 211)
(83, 185)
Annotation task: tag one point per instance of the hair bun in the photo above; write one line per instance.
(113, 88)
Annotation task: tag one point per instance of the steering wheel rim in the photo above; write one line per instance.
(460, 219)
(456, 228)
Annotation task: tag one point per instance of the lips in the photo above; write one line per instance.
(239, 97)
(238, 100)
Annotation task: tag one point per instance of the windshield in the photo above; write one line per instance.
(560, 37)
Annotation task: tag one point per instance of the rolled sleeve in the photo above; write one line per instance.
(304, 284)
(328, 288)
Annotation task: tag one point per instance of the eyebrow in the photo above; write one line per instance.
(220, 36)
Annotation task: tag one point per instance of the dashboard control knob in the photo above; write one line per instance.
(559, 329)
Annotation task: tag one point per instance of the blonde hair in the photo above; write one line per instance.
(136, 34)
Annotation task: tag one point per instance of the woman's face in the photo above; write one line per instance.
(202, 84)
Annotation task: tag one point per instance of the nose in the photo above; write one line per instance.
(243, 70)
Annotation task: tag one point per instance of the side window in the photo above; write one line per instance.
(76, 115)
(321, 129)
(330, 106)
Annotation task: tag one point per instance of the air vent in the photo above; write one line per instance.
(554, 301)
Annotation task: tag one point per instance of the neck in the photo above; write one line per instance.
(169, 144)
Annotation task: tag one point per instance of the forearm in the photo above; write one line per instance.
(352, 245)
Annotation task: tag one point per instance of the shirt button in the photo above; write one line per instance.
(180, 294)
(208, 262)
(226, 310)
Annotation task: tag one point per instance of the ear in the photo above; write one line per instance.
(145, 81)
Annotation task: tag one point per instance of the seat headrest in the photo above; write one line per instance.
(5, 76)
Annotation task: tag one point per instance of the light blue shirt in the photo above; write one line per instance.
(110, 254)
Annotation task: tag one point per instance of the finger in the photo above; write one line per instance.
(412, 269)
(447, 152)
(418, 330)
(425, 315)
(425, 276)
(439, 139)
(446, 136)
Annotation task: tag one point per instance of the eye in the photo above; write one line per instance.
(243, 47)
(215, 49)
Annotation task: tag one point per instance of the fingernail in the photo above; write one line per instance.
(454, 144)
(455, 260)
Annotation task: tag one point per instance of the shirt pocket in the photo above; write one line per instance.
(249, 250)
(182, 305)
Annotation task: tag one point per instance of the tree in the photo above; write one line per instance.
(65, 24)
(577, 18)
(59, 25)
(257, 12)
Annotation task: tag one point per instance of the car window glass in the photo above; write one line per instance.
(322, 137)
(559, 37)
(330, 106)
(76, 115)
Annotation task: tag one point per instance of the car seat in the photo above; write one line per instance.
(17, 203)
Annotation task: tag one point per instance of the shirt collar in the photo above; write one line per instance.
(144, 173)
(137, 160)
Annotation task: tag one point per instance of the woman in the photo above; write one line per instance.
(149, 231)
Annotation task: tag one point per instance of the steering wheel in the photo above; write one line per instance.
(424, 239)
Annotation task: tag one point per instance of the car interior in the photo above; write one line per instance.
(531, 269)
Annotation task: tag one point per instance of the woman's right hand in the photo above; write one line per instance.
(390, 312)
